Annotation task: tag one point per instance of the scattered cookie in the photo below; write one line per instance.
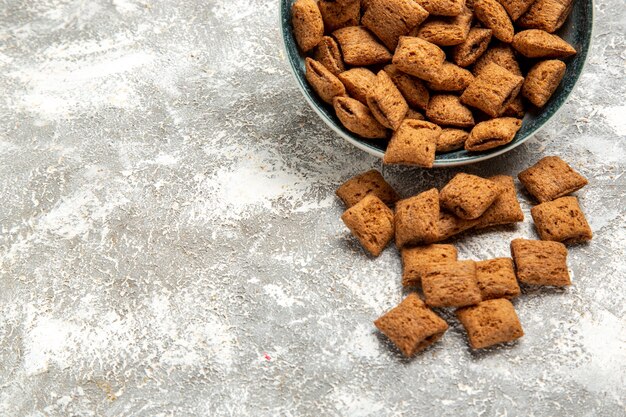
(357, 118)
(308, 27)
(416, 219)
(327, 53)
(561, 220)
(492, 134)
(542, 81)
(371, 182)
(491, 322)
(325, 84)
(506, 208)
(390, 19)
(496, 279)
(358, 83)
(360, 48)
(492, 90)
(468, 196)
(551, 178)
(451, 284)
(413, 143)
(535, 43)
(411, 326)
(419, 58)
(539, 262)
(451, 139)
(491, 14)
(414, 259)
(371, 222)
(476, 43)
(450, 225)
(387, 102)
(548, 15)
(414, 91)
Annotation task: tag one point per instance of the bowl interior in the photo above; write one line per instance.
(576, 31)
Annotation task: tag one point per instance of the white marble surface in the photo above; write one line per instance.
(170, 243)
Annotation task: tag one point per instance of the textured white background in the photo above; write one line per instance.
(170, 243)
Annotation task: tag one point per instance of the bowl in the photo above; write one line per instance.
(576, 30)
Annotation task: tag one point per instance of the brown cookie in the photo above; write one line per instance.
(414, 91)
(443, 7)
(492, 90)
(358, 82)
(451, 78)
(360, 48)
(491, 14)
(451, 139)
(496, 279)
(450, 225)
(338, 14)
(327, 53)
(390, 19)
(371, 182)
(474, 45)
(535, 43)
(515, 108)
(419, 58)
(561, 220)
(371, 222)
(413, 143)
(411, 326)
(387, 102)
(551, 178)
(357, 118)
(539, 262)
(447, 110)
(325, 84)
(506, 208)
(502, 55)
(308, 27)
(414, 259)
(492, 134)
(446, 31)
(542, 81)
(491, 322)
(451, 284)
(516, 8)
(468, 196)
(416, 219)
(548, 15)
(414, 115)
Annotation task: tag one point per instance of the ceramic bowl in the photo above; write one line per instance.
(576, 30)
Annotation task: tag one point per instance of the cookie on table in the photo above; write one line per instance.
(561, 220)
(446, 31)
(387, 102)
(416, 219)
(474, 45)
(443, 7)
(360, 48)
(493, 16)
(492, 134)
(371, 182)
(548, 15)
(411, 325)
(496, 279)
(308, 27)
(339, 14)
(414, 91)
(492, 90)
(414, 259)
(542, 81)
(540, 262)
(515, 108)
(516, 8)
(390, 19)
(468, 196)
(451, 78)
(357, 118)
(371, 222)
(414, 115)
(506, 208)
(358, 82)
(419, 58)
(451, 284)
(451, 139)
(447, 110)
(502, 55)
(325, 84)
(328, 54)
(551, 178)
(413, 143)
(535, 43)
(491, 322)
(450, 225)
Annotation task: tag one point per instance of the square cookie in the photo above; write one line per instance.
(506, 208)
(551, 178)
(449, 225)
(496, 279)
(370, 182)
(490, 322)
(416, 258)
(390, 19)
(371, 222)
(419, 58)
(492, 90)
(468, 196)
(539, 262)
(416, 219)
(561, 220)
(451, 284)
(411, 326)
(414, 143)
